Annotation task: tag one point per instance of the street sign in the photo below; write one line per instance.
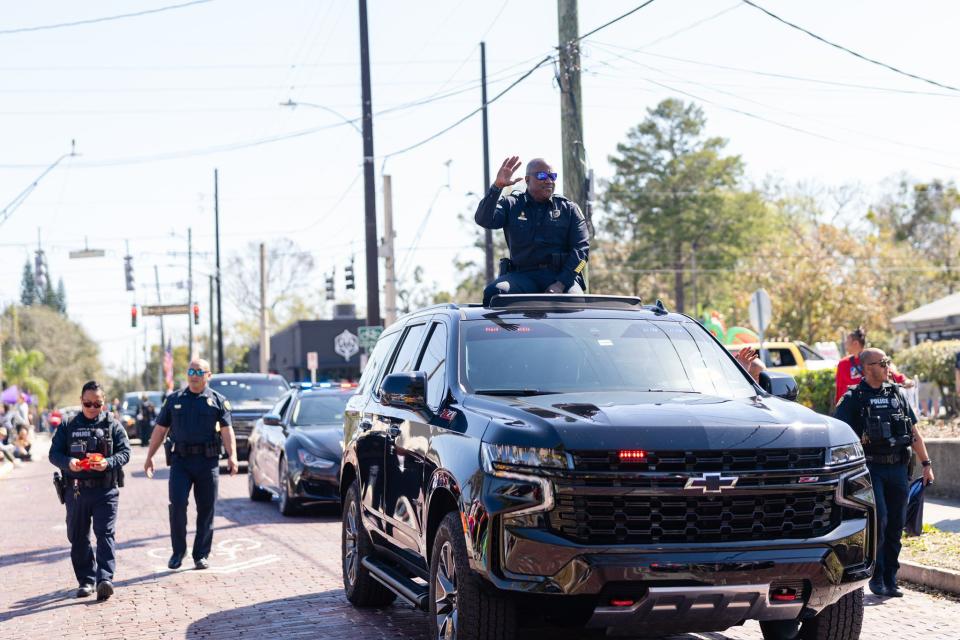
(165, 309)
(761, 311)
(346, 344)
(369, 336)
(312, 360)
(88, 253)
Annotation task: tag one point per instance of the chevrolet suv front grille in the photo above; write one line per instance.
(731, 460)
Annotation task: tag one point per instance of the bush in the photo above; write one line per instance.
(817, 389)
(933, 362)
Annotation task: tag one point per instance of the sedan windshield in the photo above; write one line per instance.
(319, 410)
(569, 355)
(240, 392)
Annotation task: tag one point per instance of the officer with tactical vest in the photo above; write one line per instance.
(91, 450)
(546, 233)
(878, 413)
(197, 420)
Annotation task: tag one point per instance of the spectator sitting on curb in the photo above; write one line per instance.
(7, 448)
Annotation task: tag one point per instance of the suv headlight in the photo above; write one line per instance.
(314, 461)
(504, 457)
(844, 453)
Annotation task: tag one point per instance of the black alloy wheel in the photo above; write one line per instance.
(445, 594)
(288, 506)
(360, 587)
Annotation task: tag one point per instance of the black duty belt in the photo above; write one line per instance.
(105, 482)
(190, 449)
(534, 267)
(900, 457)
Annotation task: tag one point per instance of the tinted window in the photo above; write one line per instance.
(434, 364)
(319, 409)
(375, 362)
(407, 354)
(281, 406)
(584, 354)
(250, 392)
(808, 353)
(779, 358)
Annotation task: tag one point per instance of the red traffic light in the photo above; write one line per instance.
(133, 315)
(196, 313)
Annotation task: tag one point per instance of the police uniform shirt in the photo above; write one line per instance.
(81, 428)
(193, 417)
(887, 399)
(536, 230)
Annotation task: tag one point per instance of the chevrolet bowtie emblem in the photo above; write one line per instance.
(712, 483)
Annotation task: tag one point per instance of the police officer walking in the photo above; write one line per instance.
(878, 413)
(91, 450)
(546, 233)
(196, 418)
(145, 417)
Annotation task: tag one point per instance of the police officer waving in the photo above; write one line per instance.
(196, 419)
(91, 451)
(546, 233)
(878, 413)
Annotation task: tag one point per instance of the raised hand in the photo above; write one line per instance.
(505, 174)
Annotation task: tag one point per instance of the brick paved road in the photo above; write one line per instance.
(271, 577)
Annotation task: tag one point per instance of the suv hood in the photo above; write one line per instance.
(655, 420)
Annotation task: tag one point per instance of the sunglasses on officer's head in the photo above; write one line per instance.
(543, 175)
(92, 405)
(195, 372)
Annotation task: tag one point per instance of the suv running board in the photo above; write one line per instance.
(413, 592)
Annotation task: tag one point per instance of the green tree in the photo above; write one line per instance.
(21, 369)
(28, 286)
(672, 205)
(61, 298)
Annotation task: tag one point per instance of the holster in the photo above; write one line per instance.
(60, 485)
(168, 450)
(506, 266)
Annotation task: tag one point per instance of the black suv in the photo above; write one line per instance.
(588, 460)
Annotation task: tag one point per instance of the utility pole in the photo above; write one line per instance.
(487, 233)
(189, 292)
(216, 231)
(386, 251)
(369, 189)
(163, 335)
(264, 338)
(210, 320)
(571, 107)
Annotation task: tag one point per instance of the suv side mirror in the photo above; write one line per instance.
(406, 390)
(779, 384)
(271, 419)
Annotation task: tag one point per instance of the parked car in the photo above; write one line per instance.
(588, 460)
(251, 395)
(789, 356)
(295, 449)
(131, 407)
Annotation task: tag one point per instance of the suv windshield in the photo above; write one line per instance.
(319, 410)
(240, 392)
(568, 355)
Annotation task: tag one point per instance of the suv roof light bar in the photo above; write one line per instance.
(555, 300)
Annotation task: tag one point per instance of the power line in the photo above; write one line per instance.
(690, 26)
(615, 20)
(850, 51)
(121, 16)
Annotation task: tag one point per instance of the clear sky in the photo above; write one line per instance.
(156, 102)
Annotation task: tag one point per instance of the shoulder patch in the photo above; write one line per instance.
(226, 405)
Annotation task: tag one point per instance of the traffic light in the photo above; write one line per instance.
(133, 315)
(196, 313)
(40, 272)
(348, 276)
(330, 290)
(128, 271)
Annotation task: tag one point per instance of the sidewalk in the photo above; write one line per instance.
(943, 514)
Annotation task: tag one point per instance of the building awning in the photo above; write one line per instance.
(939, 313)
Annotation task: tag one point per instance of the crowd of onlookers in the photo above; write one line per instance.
(16, 432)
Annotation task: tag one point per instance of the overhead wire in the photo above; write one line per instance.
(856, 54)
(122, 16)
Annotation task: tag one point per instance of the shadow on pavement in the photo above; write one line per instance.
(245, 511)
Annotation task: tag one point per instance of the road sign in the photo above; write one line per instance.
(369, 336)
(165, 309)
(312, 360)
(88, 253)
(346, 344)
(761, 311)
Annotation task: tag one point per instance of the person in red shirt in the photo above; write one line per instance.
(849, 370)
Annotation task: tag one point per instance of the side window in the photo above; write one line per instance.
(808, 353)
(434, 364)
(282, 405)
(380, 353)
(406, 358)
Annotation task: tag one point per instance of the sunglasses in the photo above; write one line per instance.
(543, 175)
(195, 372)
(92, 405)
(883, 363)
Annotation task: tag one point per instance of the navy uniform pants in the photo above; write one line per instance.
(99, 506)
(535, 281)
(202, 474)
(890, 488)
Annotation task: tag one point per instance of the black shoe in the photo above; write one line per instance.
(104, 590)
(85, 590)
(877, 588)
(893, 592)
(175, 561)
(201, 563)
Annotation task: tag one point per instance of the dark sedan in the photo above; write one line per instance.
(251, 395)
(295, 449)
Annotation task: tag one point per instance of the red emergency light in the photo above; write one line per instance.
(632, 455)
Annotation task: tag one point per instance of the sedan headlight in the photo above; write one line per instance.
(501, 457)
(314, 461)
(844, 453)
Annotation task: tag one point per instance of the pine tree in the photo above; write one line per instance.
(28, 286)
(49, 295)
(61, 297)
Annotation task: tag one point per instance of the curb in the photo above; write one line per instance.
(941, 579)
